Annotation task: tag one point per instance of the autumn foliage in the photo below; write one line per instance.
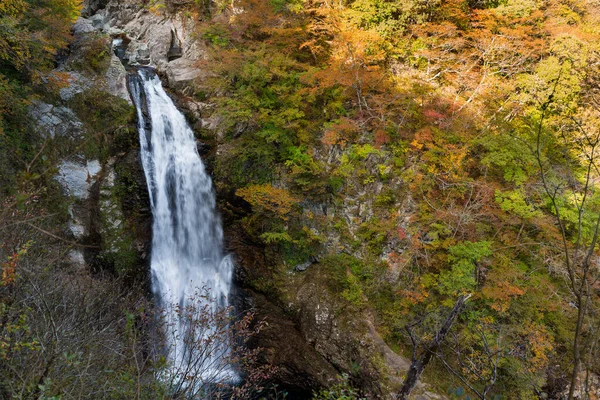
(423, 116)
(268, 199)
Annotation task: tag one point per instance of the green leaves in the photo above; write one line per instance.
(514, 201)
(276, 237)
(32, 31)
(460, 279)
(391, 18)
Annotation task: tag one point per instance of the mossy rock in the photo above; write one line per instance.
(109, 121)
(94, 54)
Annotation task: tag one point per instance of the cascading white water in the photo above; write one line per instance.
(187, 250)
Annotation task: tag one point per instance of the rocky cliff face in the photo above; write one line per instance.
(311, 336)
(91, 116)
(146, 38)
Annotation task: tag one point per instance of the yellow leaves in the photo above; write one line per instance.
(266, 198)
(14, 335)
(540, 344)
(416, 145)
(156, 8)
(31, 36)
(12, 8)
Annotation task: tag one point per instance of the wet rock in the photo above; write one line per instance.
(76, 258)
(302, 267)
(92, 6)
(81, 73)
(118, 227)
(98, 20)
(153, 42)
(76, 226)
(110, 225)
(175, 51)
(305, 265)
(203, 148)
(301, 369)
(114, 32)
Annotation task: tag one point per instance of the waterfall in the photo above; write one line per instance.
(187, 244)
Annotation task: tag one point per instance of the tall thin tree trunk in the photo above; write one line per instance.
(576, 346)
(418, 364)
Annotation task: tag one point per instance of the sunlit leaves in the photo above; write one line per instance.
(269, 199)
(515, 202)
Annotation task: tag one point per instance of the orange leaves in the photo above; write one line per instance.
(266, 198)
(443, 155)
(58, 79)
(501, 294)
(9, 267)
(355, 55)
(381, 138)
(340, 133)
(9, 270)
(401, 233)
(416, 296)
(503, 283)
(397, 261)
(422, 138)
(354, 46)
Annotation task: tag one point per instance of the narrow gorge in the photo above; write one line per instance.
(299, 199)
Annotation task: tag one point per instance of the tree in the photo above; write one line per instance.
(212, 359)
(32, 31)
(572, 193)
(419, 362)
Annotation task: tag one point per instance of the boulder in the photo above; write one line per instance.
(83, 26)
(77, 176)
(116, 79)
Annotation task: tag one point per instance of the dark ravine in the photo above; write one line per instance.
(302, 369)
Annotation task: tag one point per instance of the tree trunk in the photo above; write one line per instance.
(419, 363)
(576, 345)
